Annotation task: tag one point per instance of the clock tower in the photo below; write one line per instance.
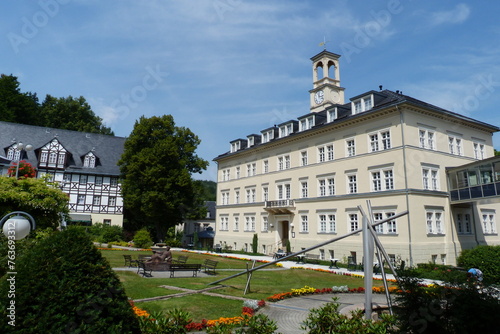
(326, 81)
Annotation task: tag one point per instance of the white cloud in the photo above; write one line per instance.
(457, 15)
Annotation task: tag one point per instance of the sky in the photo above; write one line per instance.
(229, 68)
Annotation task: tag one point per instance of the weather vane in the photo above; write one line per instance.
(323, 44)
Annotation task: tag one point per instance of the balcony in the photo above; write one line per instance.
(281, 206)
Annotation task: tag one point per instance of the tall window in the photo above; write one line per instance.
(265, 166)
(303, 158)
(250, 223)
(224, 223)
(352, 184)
(479, 150)
(225, 197)
(304, 192)
(434, 219)
(353, 222)
(322, 187)
(321, 154)
(112, 201)
(88, 160)
(236, 223)
(265, 194)
(304, 224)
(250, 195)
(350, 147)
(81, 199)
(265, 223)
(386, 228)
(238, 172)
(380, 141)
(427, 139)
(113, 181)
(382, 180)
(329, 150)
(455, 145)
(98, 180)
(430, 178)
(83, 179)
(327, 223)
(463, 223)
(281, 163)
(96, 200)
(488, 222)
(236, 197)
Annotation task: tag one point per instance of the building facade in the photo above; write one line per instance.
(302, 181)
(83, 164)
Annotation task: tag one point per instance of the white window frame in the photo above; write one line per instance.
(265, 166)
(236, 223)
(352, 183)
(350, 147)
(463, 223)
(225, 197)
(96, 200)
(265, 223)
(81, 199)
(479, 152)
(249, 223)
(455, 145)
(427, 138)
(304, 191)
(362, 104)
(236, 197)
(112, 201)
(304, 223)
(387, 228)
(306, 123)
(380, 140)
(224, 223)
(286, 130)
(265, 194)
(238, 172)
(488, 222)
(303, 158)
(435, 221)
(430, 178)
(353, 221)
(331, 115)
(385, 180)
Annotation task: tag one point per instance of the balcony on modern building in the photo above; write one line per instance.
(475, 181)
(280, 206)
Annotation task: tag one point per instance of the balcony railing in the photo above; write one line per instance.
(280, 206)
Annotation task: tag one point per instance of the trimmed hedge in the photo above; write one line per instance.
(64, 285)
(486, 258)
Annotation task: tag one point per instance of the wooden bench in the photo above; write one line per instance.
(311, 258)
(181, 259)
(195, 267)
(128, 260)
(209, 266)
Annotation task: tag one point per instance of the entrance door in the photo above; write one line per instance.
(285, 226)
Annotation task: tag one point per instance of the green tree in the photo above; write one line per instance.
(64, 285)
(41, 199)
(208, 190)
(156, 168)
(255, 243)
(71, 114)
(16, 106)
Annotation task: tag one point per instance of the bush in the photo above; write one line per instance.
(327, 319)
(142, 239)
(64, 285)
(445, 309)
(255, 243)
(486, 258)
(440, 272)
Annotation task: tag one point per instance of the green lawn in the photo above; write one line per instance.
(263, 284)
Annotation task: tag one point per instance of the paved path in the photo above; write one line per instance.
(290, 313)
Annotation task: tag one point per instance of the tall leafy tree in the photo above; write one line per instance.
(16, 106)
(156, 168)
(71, 114)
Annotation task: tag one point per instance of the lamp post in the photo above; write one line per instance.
(17, 225)
(20, 146)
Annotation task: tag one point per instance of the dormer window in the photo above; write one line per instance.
(89, 160)
(331, 115)
(363, 104)
(251, 141)
(53, 155)
(13, 153)
(286, 130)
(267, 136)
(306, 123)
(235, 146)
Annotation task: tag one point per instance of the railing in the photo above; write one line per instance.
(473, 192)
(281, 203)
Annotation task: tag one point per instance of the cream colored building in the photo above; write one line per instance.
(303, 180)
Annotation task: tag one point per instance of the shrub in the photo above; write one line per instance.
(255, 243)
(327, 319)
(64, 285)
(486, 258)
(445, 308)
(142, 239)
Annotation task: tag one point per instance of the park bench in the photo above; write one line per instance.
(128, 260)
(311, 258)
(195, 267)
(181, 259)
(209, 266)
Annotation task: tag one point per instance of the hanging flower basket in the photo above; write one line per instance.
(26, 170)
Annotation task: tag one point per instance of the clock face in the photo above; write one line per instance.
(319, 97)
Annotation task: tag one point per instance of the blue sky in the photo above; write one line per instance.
(230, 68)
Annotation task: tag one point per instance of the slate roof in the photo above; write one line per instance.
(383, 99)
(108, 149)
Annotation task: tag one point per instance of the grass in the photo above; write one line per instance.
(264, 283)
